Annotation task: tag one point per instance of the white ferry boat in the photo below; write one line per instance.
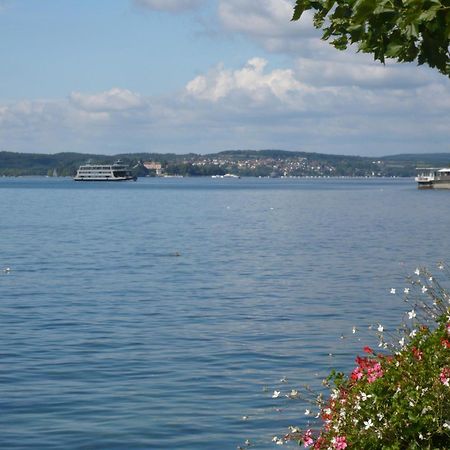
(98, 172)
(433, 178)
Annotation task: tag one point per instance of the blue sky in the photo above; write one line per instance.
(112, 76)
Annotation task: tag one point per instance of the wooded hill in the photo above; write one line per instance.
(240, 162)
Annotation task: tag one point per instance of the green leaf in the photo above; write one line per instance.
(412, 30)
(300, 7)
(385, 6)
(363, 8)
(394, 50)
(428, 16)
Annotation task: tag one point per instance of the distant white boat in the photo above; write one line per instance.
(227, 175)
(433, 178)
(104, 172)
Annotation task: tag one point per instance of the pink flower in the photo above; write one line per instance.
(374, 372)
(445, 376)
(339, 442)
(307, 439)
(357, 374)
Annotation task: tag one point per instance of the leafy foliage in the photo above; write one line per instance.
(405, 30)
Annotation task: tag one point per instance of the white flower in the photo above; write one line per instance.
(280, 442)
(368, 424)
(430, 278)
(421, 436)
(283, 380)
(276, 394)
(334, 394)
(413, 333)
(307, 412)
(446, 425)
(293, 393)
(441, 266)
(275, 439)
(380, 416)
(365, 396)
(354, 330)
(424, 289)
(392, 290)
(244, 417)
(402, 342)
(411, 314)
(380, 328)
(406, 290)
(417, 271)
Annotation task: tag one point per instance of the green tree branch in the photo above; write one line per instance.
(405, 30)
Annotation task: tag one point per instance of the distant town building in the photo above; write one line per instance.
(150, 165)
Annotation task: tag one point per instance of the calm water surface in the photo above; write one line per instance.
(156, 314)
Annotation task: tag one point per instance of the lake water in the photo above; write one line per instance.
(156, 314)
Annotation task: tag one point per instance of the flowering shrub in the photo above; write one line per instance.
(397, 397)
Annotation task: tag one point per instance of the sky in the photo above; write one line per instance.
(203, 76)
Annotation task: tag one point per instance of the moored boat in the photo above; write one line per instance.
(104, 172)
(433, 178)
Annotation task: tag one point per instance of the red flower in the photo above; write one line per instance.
(367, 349)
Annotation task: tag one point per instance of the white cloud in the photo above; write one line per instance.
(268, 22)
(169, 5)
(253, 106)
(250, 81)
(115, 99)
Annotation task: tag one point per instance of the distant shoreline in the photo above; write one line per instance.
(243, 163)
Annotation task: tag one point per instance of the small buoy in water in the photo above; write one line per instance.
(177, 254)
(7, 269)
